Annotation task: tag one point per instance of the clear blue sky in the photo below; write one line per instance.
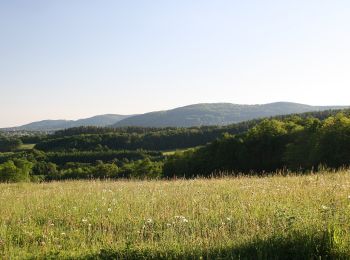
(68, 59)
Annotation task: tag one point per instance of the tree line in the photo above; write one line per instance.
(40, 166)
(8, 144)
(294, 144)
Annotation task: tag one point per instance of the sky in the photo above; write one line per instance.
(72, 59)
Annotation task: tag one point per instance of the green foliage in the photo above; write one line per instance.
(293, 143)
(17, 170)
(146, 169)
(44, 168)
(334, 141)
(8, 144)
(167, 139)
(105, 170)
(170, 138)
(61, 158)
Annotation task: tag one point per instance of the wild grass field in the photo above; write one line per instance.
(229, 218)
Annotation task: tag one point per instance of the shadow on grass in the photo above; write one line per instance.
(296, 247)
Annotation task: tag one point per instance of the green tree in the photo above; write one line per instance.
(9, 144)
(15, 171)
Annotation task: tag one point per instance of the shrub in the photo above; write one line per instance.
(15, 170)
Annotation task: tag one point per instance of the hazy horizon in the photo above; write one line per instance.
(144, 112)
(77, 59)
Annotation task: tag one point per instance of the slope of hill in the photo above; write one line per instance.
(216, 114)
(52, 125)
(192, 115)
(158, 139)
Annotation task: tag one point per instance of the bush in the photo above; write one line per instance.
(17, 170)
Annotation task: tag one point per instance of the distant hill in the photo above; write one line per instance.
(192, 115)
(52, 125)
(216, 114)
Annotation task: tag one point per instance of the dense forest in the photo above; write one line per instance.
(299, 143)
(292, 144)
(9, 143)
(132, 138)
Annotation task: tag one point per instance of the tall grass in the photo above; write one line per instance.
(244, 217)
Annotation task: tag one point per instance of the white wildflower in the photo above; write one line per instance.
(84, 220)
(181, 219)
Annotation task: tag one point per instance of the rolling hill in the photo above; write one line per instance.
(187, 116)
(52, 125)
(216, 114)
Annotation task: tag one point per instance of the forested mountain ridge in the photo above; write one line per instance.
(216, 114)
(205, 114)
(298, 142)
(133, 138)
(53, 125)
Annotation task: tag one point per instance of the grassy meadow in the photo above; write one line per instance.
(244, 217)
(26, 146)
